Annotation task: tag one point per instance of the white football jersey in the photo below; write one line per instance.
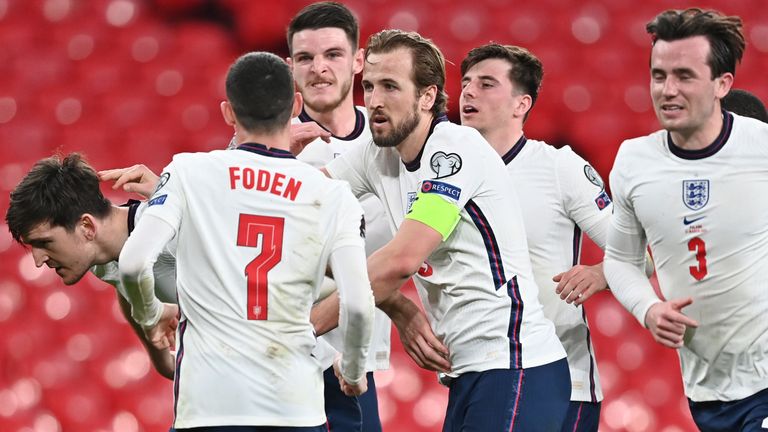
(703, 214)
(164, 269)
(561, 195)
(318, 154)
(255, 229)
(477, 287)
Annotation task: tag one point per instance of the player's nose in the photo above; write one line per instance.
(39, 256)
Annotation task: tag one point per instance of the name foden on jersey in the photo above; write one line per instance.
(266, 181)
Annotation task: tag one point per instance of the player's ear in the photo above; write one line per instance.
(358, 61)
(289, 62)
(427, 98)
(723, 84)
(298, 104)
(86, 225)
(523, 106)
(227, 113)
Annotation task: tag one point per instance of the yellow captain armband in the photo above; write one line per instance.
(435, 212)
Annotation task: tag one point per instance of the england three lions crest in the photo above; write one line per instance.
(445, 165)
(695, 193)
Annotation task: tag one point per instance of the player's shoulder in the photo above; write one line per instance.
(642, 146)
(749, 126)
(446, 132)
(448, 137)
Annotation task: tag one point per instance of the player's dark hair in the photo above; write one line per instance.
(325, 15)
(428, 61)
(260, 90)
(526, 72)
(57, 191)
(724, 33)
(745, 104)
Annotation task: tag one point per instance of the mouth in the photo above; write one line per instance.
(319, 85)
(668, 108)
(468, 110)
(379, 120)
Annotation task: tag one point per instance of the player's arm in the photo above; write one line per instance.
(162, 359)
(584, 199)
(137, 261)
(432, 220)
(624, 266)
(356, 311)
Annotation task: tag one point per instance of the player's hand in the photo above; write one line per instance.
(304, 133)
(421, 343)
(348, 389)
(163, 334)
(579, 283)
(164, 362)
(668, 324)
(136, 179)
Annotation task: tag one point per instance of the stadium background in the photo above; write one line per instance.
(134, 81)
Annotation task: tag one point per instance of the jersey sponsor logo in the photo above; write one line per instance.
(593, 176)
(412, 197)
(687, 221)
(695, 193)
(445, 165)
(431, 186)
(160, 200)
(602, 200)
(162, 181)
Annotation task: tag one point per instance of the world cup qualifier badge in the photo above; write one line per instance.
(593, 176)
(444, 165)
(695, 193)
(162, 181)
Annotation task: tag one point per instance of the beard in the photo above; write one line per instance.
(324, 107)
(399, 132)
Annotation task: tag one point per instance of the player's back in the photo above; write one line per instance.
(252, 247)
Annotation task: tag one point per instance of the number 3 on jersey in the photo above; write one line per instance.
(697, 245)
(249, 229)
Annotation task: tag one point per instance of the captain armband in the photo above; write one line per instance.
(435, 212)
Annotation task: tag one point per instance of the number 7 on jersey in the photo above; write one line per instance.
(270, 229)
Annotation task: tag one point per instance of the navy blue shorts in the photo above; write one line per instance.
(748, 414)
(351, 414)
(321, 428)
(510, 400)
(582, 417)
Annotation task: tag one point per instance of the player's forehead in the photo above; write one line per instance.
(320, 40)
(493, 68)
(395, 65)
(691, 52)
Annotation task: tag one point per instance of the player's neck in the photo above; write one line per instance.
(340, 121)
(701, 137)
(502, 140)
(278, 140)
(112, 234)
(410, 147)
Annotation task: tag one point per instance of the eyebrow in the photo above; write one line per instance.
(307, 53)
(481, 77)
(39, 241)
